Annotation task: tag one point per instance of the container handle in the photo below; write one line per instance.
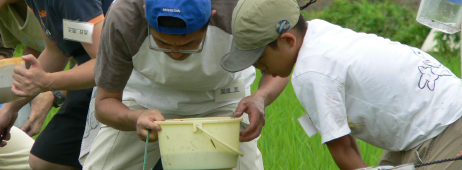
(223, 143)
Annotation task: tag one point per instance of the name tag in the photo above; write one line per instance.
(233, 91)
(78, 31)
(307, 125)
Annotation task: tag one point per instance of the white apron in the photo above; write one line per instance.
(184, 87)
(176, 87)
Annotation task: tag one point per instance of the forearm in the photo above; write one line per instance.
(110, 110)
(344, 154)
(355, 146)
(271, 87)
(348, 159)
(17, 105)
(79, 77)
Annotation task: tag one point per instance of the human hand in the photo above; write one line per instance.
(40, 107)
(146, 122)
(459, 155)
(7, 117)
(32, 81)
(254, 106)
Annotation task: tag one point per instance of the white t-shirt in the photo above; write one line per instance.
(388, 94)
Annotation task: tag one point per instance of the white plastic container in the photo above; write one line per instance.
(442, 15)
(6, 79)
(200, 143)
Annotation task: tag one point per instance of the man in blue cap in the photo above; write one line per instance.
(160, 59)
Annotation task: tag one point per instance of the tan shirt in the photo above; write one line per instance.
(124, 32)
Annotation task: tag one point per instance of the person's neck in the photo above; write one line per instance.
(21, 9)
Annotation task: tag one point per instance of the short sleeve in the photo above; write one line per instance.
(9, 40)
(113, 62)
(81, 10)
(324, 100)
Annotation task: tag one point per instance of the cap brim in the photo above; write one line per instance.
(238, 60)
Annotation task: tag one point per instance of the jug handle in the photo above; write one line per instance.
(223, 143)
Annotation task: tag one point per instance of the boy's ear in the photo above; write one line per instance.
(289, 39)
(213, 13)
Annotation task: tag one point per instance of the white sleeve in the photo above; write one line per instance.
(324, 100)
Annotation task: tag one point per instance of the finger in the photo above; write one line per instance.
(241, 107)
(157, 116)
(20, 70)
(27, 126)
(254, 134)
(153, 136)
(146, 124)
(3, 144)
(32, 60)
(19, 78)
(254, 119)
(142, 134)
(33, 132)
(17, 91)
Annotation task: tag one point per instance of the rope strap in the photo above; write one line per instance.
(437, 162)
(146, 150)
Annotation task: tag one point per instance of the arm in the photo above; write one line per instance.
(345, 156)
(80, 77)
(110, 110)
(271, 87)
(355, 146)
(40, 107)
(254, 105)
(46, 73)
(28, 50)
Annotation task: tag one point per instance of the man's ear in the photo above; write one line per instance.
(289, 38)
(213, 13)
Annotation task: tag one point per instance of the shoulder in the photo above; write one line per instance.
(125, 24)
(127, 15)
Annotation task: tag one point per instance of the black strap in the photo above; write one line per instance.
(307, 4)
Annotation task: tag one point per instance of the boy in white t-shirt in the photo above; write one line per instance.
(388, 94)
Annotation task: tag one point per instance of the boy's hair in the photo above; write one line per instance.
(174, 22)
(300, 28)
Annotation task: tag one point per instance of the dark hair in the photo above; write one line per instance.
(174, 22)
(300, 27)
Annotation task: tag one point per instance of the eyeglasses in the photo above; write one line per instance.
(156, 48)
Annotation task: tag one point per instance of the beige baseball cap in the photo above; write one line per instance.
(255, 24)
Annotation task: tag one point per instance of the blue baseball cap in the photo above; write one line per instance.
(195, 13)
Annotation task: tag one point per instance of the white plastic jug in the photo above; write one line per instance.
(6, 79)
(442, 15)
(200, 143)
